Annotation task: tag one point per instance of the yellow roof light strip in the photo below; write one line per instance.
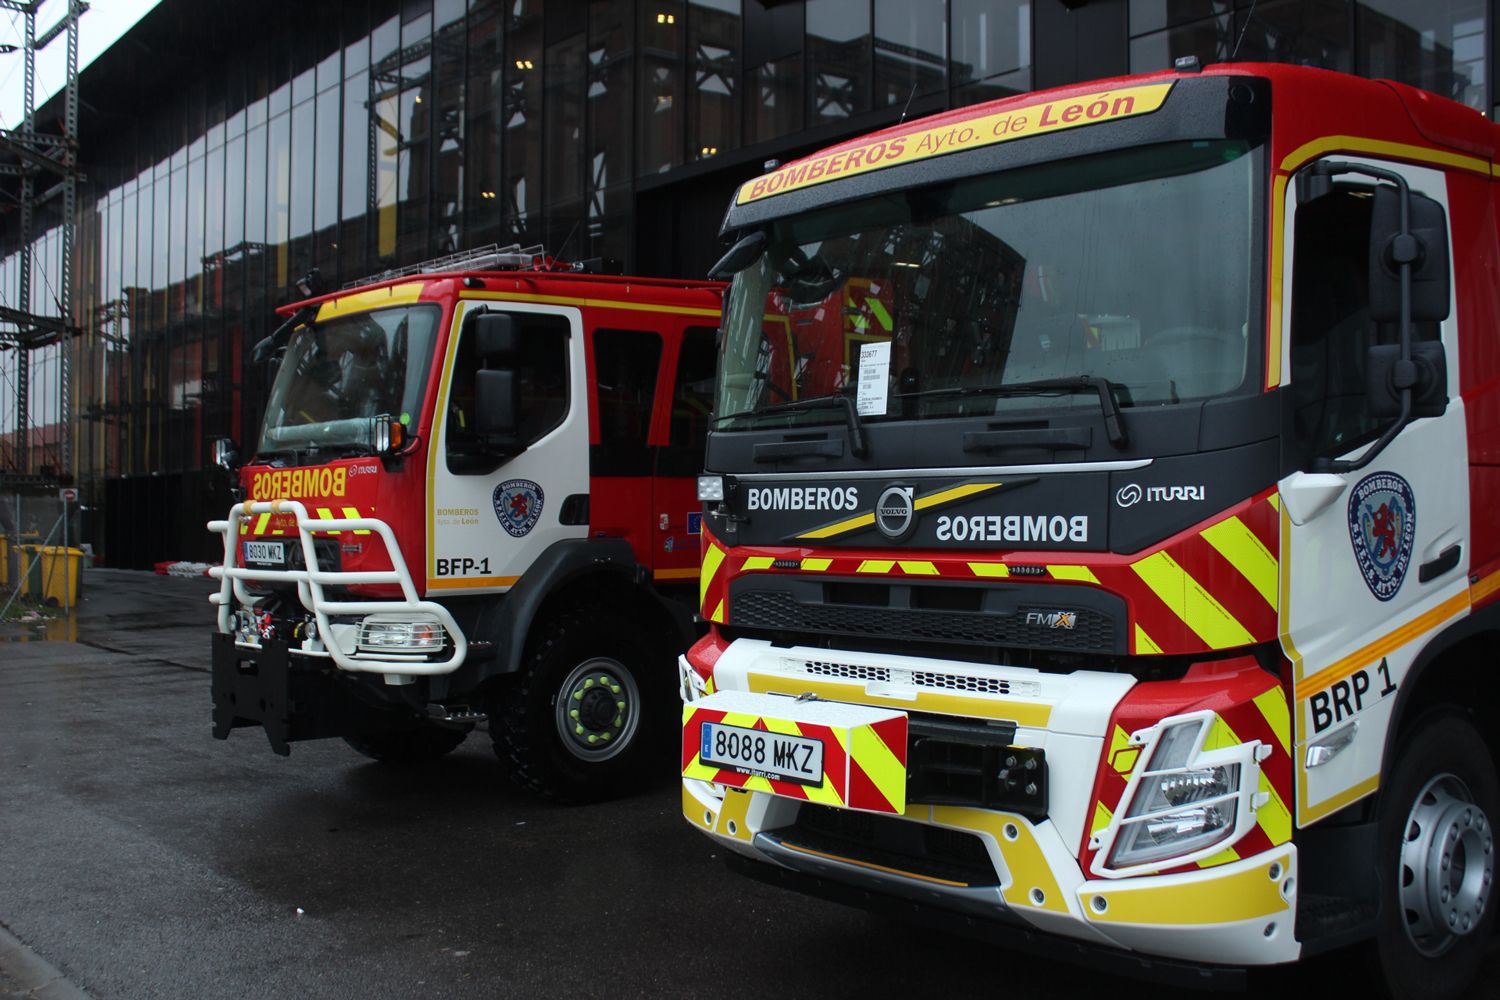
(582, 302)
(373, 298)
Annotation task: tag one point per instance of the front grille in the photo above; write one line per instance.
(954, 680)
(930, 851)
(780, 611)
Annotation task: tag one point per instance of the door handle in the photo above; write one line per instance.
(1434, 568)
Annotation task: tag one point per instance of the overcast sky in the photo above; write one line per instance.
(103, 23)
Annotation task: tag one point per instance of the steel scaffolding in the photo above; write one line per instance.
(32, 156)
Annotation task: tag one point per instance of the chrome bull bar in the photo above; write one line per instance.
(312, 579)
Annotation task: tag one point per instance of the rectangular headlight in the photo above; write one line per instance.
(402, 637)
(710, 488)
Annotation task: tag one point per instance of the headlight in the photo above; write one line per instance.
(1181, 805)
(710, 488)
(402, 636)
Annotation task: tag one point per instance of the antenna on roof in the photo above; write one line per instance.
(908, 103)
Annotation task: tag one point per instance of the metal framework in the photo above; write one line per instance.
(29, 154)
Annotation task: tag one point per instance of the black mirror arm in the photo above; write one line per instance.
(1404, 251)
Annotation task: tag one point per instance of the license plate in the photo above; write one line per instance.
(768, 755)
(265, 552)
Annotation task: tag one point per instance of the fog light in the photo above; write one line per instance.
(401, 636)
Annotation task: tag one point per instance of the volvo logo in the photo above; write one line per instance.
(1128, 495)
(895, 517)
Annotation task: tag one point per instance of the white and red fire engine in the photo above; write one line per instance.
(1100, 533)
(472, 496)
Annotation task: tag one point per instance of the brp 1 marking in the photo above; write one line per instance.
(1343, 699)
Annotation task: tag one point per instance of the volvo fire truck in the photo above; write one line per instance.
(472, 497)
(1100, 539)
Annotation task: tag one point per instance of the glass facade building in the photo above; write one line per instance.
(231, 148)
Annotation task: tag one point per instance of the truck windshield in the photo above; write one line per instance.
(968, 298)
(338, 374)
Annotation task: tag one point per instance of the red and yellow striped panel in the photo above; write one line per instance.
(1209, 588)
(864, 766)
(1249, 705)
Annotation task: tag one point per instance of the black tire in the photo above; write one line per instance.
(553, 725)
(407, 747)
(1435, 861)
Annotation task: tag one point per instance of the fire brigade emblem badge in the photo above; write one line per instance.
(518, 504)
(1383, 528)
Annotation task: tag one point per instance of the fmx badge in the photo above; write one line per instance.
(1383, 528)
(518, 504)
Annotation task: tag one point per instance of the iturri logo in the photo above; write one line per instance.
(1128, 495)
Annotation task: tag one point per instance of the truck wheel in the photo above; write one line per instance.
(409, 746)
(1436, 861)
(572, 724)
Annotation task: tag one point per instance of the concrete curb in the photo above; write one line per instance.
(32, 974)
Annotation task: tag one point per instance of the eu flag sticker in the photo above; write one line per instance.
(695, 522)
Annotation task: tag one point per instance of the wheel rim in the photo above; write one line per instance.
(1447, 864)
(597, 709)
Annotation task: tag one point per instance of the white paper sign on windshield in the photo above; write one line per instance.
(874, 378)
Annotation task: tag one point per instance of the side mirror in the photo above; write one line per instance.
(1426, 374)
(740, 256)
(497, 410)
(226, 454)
(496, 337)
(1427, 249)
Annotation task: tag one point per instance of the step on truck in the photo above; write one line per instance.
(1100, 540)
(472, 498)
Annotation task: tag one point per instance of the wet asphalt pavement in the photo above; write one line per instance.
(143, 858)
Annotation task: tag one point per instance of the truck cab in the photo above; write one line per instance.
(471, 497)
(1099, 542)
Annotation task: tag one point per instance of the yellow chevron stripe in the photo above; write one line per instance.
(878, 761)
(1278, 716)
(1102, 818)
(990, 570)
(712, 559)
(1224, 857)
(1238, 544)
(1119, 740)
(1274, 817)
(878, 308)
(1275, 501)
(918, 568)
(325, 514)
(825, 793)
(352, 513)
(260, 525)
(718, 615)
(816, 565)
(1144, 643)
(876, 566)
(757, 562)
(1080, 573)
(1189, 601)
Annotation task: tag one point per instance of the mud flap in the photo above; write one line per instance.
(291, 700)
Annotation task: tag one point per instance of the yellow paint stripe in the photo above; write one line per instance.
(1307, 814)
(816, 565)
(841, 527)
(1234, 540)
(736, 805)
(1274, 817)
(1274, 279)
(1224, 857)
(1144, 643)
(718, 615)
(878, 762)
(989, 570)
(876, 566)
(918, 568)
(352, 513)
(1119, 741)
(881, 313)
(324, 514)
(1278, 716)
(956, 493)
(374, 298)
(1080, 573)
(449, 583)
(1022, 713)
(1484, 588)
(675, 574)
(260, 525)
(1274, 500)
(1384, 646)
(757, 562)
(1102, 818)
(1243, 895)
(711, 562)
(1189, 601)
(1023, 856)
(582, 302)
(1397, 150)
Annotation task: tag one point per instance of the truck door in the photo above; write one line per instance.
(492, 509)
(1375, 558)
(684, 431)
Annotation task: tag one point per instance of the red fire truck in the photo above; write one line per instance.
(472, 497)
(1099, 536)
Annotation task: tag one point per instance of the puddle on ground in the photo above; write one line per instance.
(60, 629)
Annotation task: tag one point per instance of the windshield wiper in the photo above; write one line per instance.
(1114, 423)
(857, 446)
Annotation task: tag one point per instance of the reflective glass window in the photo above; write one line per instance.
(713, 53)
(838, 59)
(1437, 45)
(773, 99)
(911, 50)
(659, 118)
(991, 48)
